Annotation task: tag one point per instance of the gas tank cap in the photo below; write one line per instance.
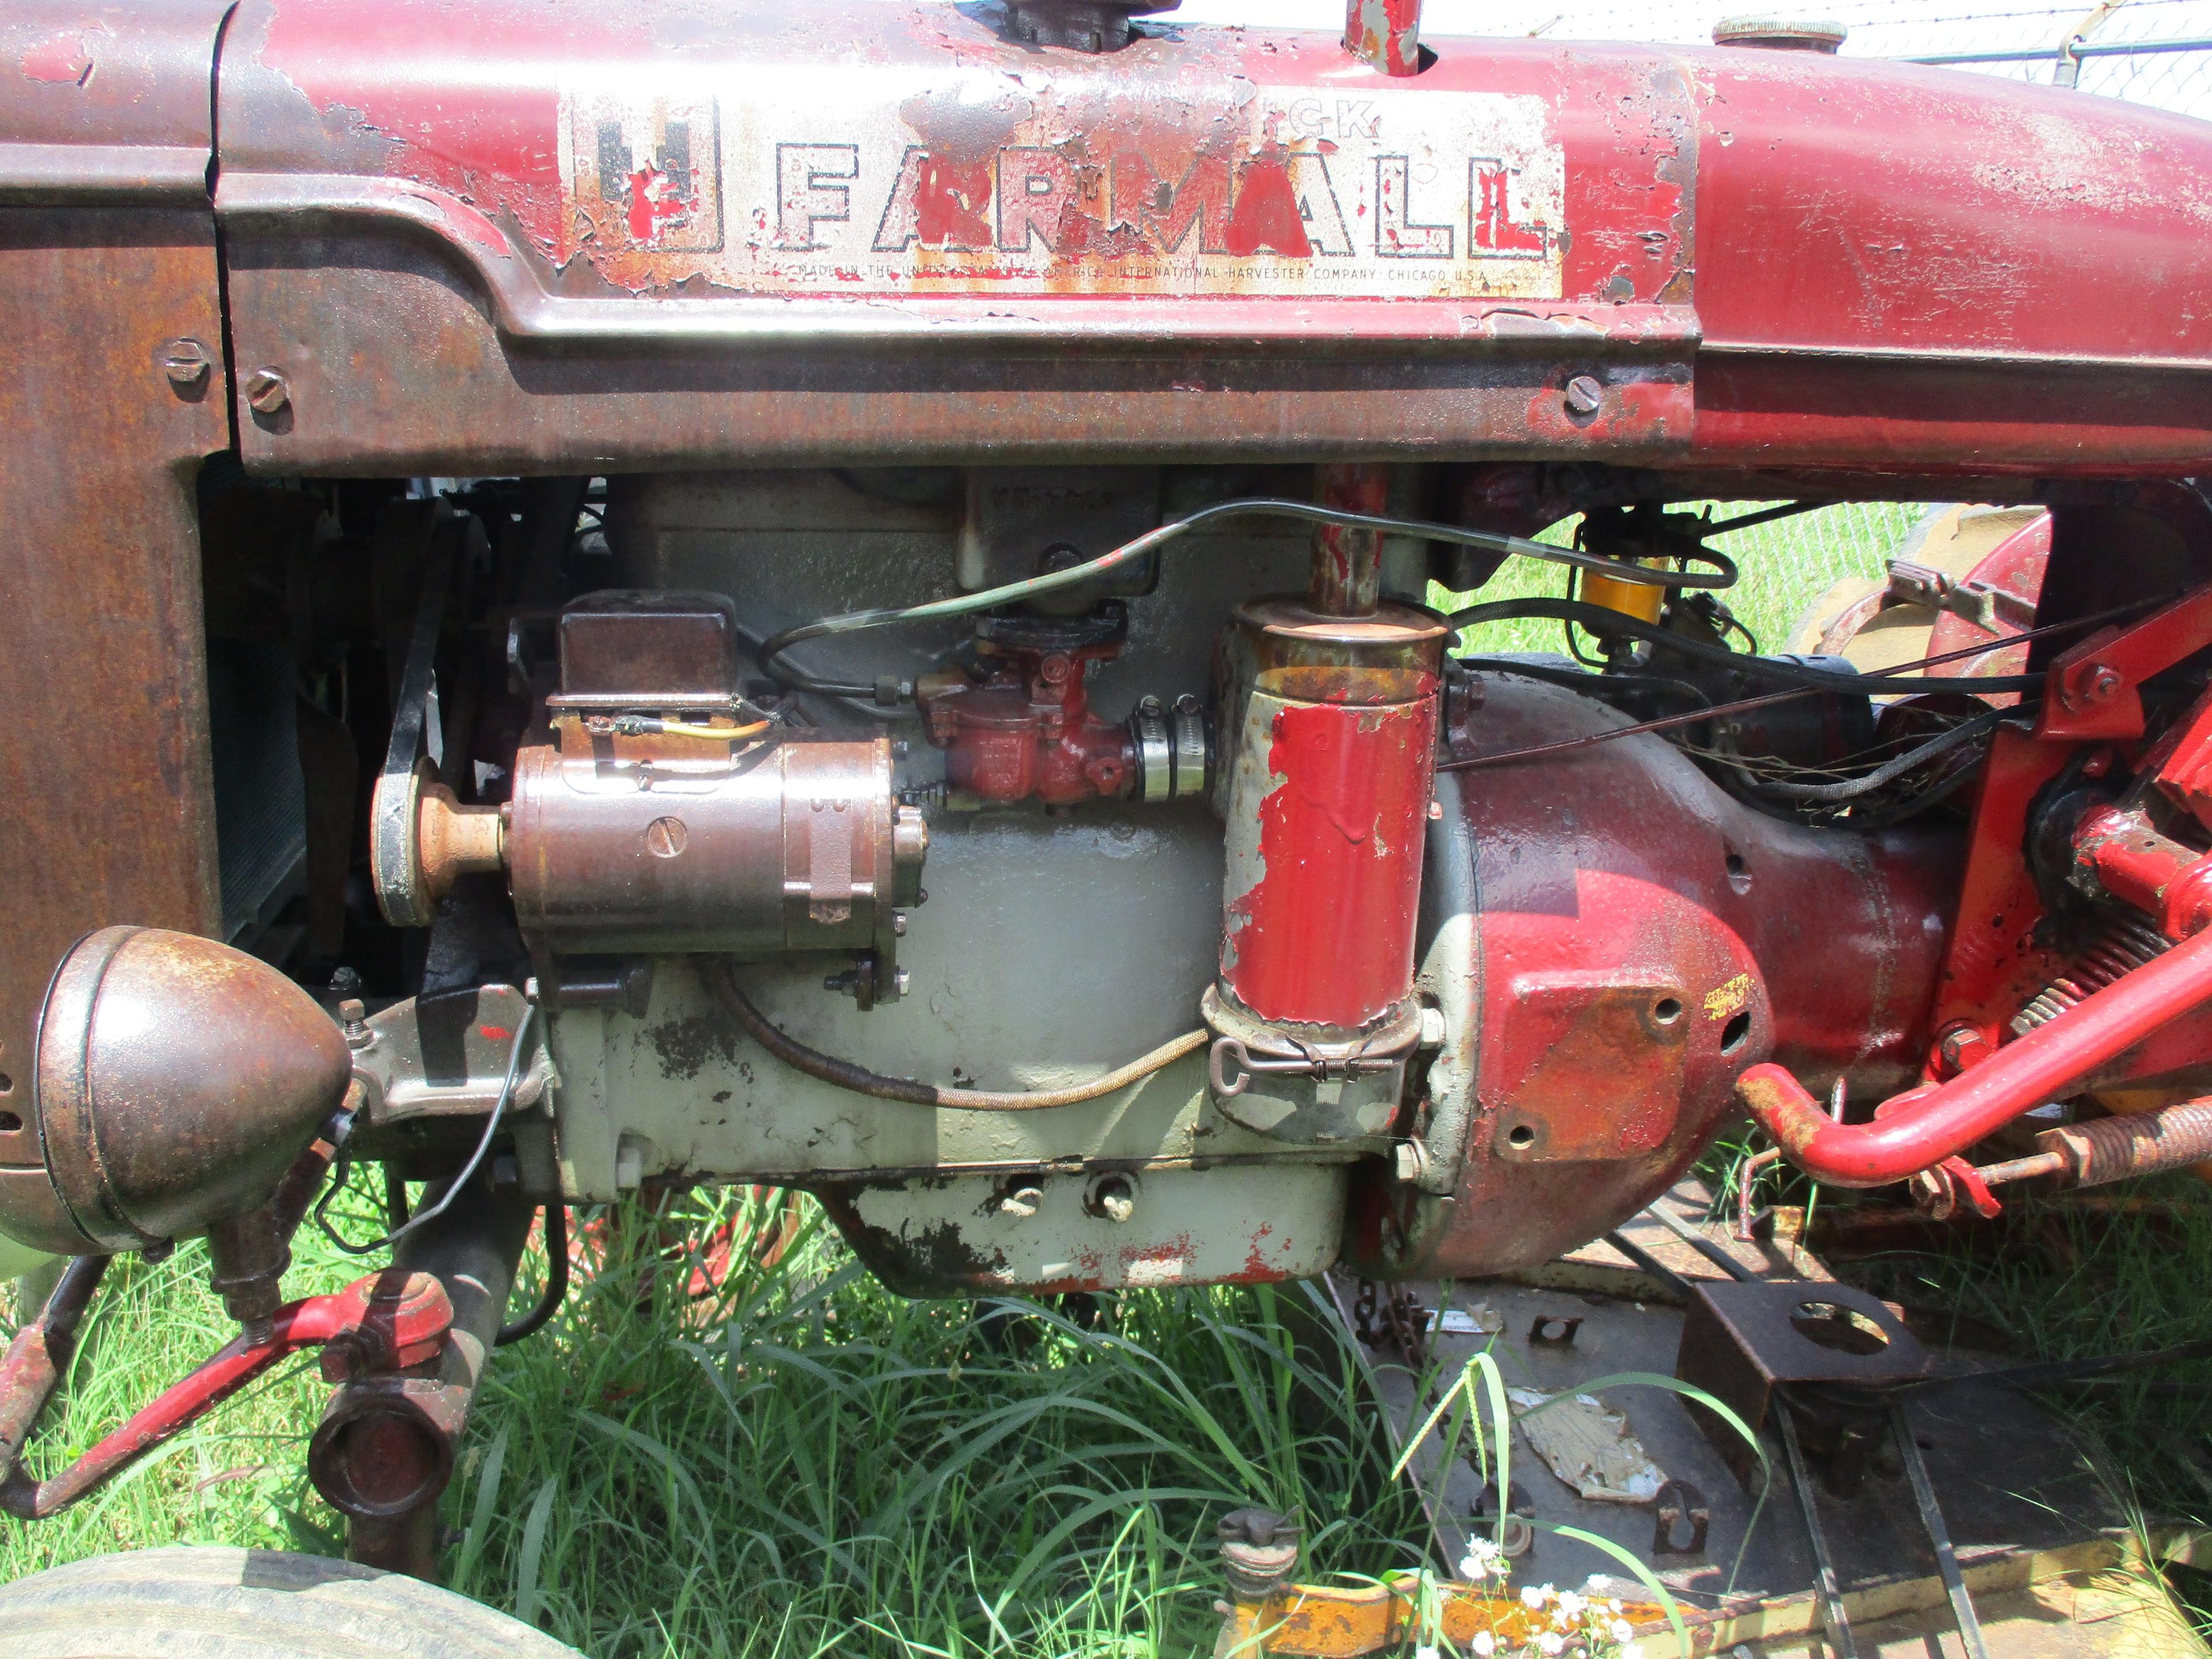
(1779, 35)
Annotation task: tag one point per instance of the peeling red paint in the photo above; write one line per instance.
(467, 99)
(61, 59)
(1326, 935)
(653, 202)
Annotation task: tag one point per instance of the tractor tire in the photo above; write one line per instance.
(198, 1601)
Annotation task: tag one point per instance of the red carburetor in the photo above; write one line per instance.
(1021, 726)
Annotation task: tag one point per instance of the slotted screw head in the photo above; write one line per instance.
(187, 364)
(266, 391)
(1584, 395)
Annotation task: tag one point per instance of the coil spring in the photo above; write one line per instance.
(2113, 1148)
(2122, 945)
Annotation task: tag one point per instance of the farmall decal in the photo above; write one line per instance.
(985, 184)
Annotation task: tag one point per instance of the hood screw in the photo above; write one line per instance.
(266, 390)
(1584, 396)
(187, 364)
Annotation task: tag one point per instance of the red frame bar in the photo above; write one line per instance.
(1923, 1126)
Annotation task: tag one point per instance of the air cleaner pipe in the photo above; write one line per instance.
(1923, 1127)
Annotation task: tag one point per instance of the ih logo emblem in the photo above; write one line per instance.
(861, 184)
(647, 174)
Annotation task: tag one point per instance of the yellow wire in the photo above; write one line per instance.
(715, 733)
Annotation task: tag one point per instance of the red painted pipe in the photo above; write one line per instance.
(1923, 1126)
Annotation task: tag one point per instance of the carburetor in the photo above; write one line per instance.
(656, 819)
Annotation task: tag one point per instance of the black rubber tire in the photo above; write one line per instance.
(198, 1601)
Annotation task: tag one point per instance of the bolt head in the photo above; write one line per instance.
(1584, 396)
(187, 364)
(1960, 1045)
(267, 392)
(2105, 683)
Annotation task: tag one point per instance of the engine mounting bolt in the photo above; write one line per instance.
(1408, 1159)
(2104, 685)
(1584, 395)
(186, 363)
(266, 390)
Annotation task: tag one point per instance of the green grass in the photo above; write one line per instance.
(802, 1462)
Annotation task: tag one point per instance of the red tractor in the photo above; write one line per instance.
(600, 597)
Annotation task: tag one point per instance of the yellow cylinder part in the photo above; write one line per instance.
(1638, 599)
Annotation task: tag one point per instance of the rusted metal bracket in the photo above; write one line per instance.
(445, 1054)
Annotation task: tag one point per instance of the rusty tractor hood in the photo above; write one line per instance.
(667, 165)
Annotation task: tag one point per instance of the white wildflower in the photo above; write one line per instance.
(1551, 1643)
(1484, 1560)
(1621, 1630)
(1571, 1605)
(1532, 1595)
(1426, 1650)
(1482, 1645)
(1629, 1651)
